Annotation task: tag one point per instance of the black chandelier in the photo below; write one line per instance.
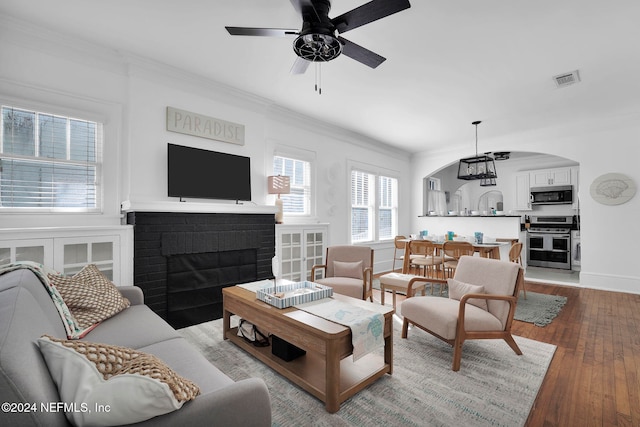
(478, 167)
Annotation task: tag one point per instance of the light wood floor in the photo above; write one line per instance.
(594, 377)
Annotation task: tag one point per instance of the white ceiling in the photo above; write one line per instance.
(449, 62)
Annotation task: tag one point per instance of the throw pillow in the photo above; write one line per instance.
(458, 289)
(347, 269)
(90, 296)
(128, 385)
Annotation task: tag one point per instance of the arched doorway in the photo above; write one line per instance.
(467, 197)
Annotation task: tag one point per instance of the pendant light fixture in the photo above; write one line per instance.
(478, 167)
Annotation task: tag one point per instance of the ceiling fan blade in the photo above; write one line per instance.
(264, 32)
(367, 13)
(361, 54)
(306, 9)
(300, 66)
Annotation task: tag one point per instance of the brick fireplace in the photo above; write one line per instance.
(183, 260)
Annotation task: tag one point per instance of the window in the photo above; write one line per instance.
(362, 185)
(298, 201)
(374, 207)
(48, 162)
(387, 208)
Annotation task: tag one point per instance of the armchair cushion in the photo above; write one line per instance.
(344, 285)
(347, 269)
(440, 315)
(458, 289)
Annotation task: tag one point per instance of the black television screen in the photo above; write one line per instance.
(207, 174)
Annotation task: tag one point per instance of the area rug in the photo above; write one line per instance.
(539, 309)
(494, 386)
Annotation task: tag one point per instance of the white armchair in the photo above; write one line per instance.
(348, 269)
(482, 301)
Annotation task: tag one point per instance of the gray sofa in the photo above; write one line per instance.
(27, 312)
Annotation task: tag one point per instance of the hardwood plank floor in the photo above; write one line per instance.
(594, 377)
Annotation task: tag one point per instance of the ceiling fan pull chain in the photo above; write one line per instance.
(319, 79)
(315, 68)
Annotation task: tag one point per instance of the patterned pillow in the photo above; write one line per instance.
(90, 296)
(136, 386)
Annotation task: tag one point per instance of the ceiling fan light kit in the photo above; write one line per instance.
(317, 47)
(478, 167)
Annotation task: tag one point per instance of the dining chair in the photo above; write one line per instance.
(482, 301)
(348, 269)
(451, 252)
(398, 252)
(406, 282)
(423, 256)
(515, 255)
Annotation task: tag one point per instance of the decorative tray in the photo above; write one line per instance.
(294, 293)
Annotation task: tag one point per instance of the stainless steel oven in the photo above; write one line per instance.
(549, 242)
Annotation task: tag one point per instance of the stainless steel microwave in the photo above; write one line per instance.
(558, 195)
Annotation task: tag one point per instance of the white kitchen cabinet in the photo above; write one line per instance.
(68, 249)
(523, 193)
(299, 248)
(549, 177)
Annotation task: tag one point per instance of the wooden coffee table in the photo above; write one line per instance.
(324, 371)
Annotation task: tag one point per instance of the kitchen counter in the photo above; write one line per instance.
(469, 216)
(503, 226)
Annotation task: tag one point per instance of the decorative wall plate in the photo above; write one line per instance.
(612, 189)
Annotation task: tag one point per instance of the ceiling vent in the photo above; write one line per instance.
(567, 79)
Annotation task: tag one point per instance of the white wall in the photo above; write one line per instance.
(40, 71)
(130, 95)
(609, 233)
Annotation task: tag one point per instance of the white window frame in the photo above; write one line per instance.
(308, 188)
(98, 163)
(373, 205)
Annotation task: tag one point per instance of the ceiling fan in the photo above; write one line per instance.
(319, 39)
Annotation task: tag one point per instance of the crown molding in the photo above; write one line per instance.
(290, 117)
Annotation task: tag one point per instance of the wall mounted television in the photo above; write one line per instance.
(204, 174)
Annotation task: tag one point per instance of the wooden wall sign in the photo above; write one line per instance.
(189, 123)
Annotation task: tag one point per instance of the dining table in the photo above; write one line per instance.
(486, 250)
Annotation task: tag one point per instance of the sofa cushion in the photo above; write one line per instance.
(136, 327)
(41, 272)
(134, 386)
(90, 296)
(191, 363)
(459, 289)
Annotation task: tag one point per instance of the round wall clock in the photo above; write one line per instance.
(612, 189)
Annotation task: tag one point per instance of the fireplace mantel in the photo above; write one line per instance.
(195, 207)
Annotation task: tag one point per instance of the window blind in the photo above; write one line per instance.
(48, 161)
